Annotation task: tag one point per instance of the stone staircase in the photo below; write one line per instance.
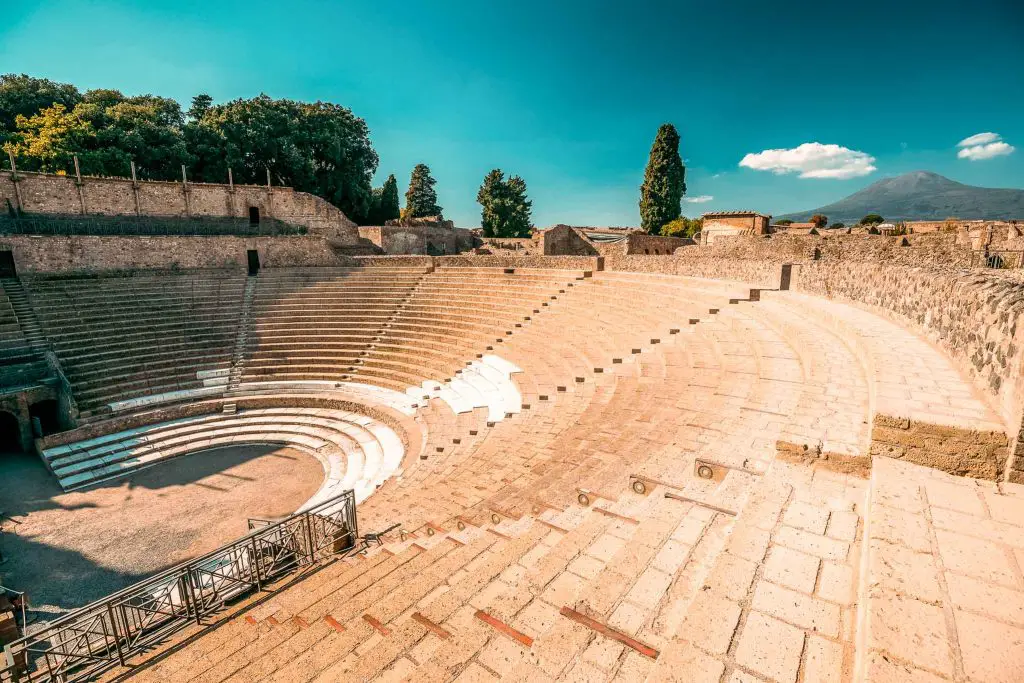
(26, 317)
(244, 331)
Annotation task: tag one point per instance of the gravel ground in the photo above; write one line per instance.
(69, 549)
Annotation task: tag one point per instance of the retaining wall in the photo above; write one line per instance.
(54, 194)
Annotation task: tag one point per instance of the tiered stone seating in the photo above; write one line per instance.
(556, 520)
(357, 451)
(125, 342)
(319, 324)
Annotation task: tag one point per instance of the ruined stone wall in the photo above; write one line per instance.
(39, 193)
(562, 240)
(642, 243)
(419, 239)
(512, 246)
(94, 254)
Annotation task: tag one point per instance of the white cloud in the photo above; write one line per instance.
(812, 160)
(699, 199)
(983, 146)
(979, 139)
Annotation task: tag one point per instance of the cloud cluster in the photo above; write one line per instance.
(699, 199)
(812, 160)
(983, 146)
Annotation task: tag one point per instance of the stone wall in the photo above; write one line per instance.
(419, 239)
(563, 240)
(39, 193)
(37, 255)
(641, 243)
(963, 452)
(512, 246)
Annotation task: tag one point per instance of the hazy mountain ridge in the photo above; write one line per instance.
(921, 195)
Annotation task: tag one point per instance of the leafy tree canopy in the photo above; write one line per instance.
(819, 220)
(664, 181)
(872, 219)
(682, 227)
(505, 210)
(784, 221)
(22, 95)
(318, 147)
(421, 197)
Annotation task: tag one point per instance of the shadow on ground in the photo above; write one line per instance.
(69, 549)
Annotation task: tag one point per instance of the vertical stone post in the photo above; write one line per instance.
(270, 196)
(231, 194)
(135, 191)
(184, 192)
(15, 179)
(79, 184)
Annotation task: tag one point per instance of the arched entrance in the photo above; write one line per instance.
(10, 433)
(46, 411)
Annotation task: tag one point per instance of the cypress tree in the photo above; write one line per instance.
(421, 197)
(664, 181)
(505, 210)
(389, 208)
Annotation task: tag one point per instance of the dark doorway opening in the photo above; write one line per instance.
(254, 215)
(45, 417)
(787, 276)
(7, 264)
(10, 433)
(254, 261)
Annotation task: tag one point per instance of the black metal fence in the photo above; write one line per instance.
(145, 226)
(105, 633)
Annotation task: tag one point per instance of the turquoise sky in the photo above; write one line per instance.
(569, 94)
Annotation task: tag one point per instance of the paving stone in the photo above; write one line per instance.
(976, 557)
(684, 663)
(770, 647)
(836, 583)
(711, 622)
(993, 601)
(791, 569)
(796, 608)
(992, 651)
(808, 517)
(823, 660)
(911, 630)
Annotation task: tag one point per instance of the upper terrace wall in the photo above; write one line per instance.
(53, 194)
(78, 254)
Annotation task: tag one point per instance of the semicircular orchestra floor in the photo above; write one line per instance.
(67, 549)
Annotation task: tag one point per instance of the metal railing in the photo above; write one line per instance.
(145, 226)
(107, 632)
(997, 258)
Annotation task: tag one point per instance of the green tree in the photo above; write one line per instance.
(319, 147)
(682, 227)
(388, 208)
(819, 220)
(48, 141)
(421, 197)
(784, 221)
(872, 219)
(664, 181)
(22, 95)
(839, 226)
(505, 209)
(201, 104)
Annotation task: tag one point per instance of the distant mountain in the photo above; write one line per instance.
(921, 195)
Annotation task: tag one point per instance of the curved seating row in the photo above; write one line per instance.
(357, 451)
